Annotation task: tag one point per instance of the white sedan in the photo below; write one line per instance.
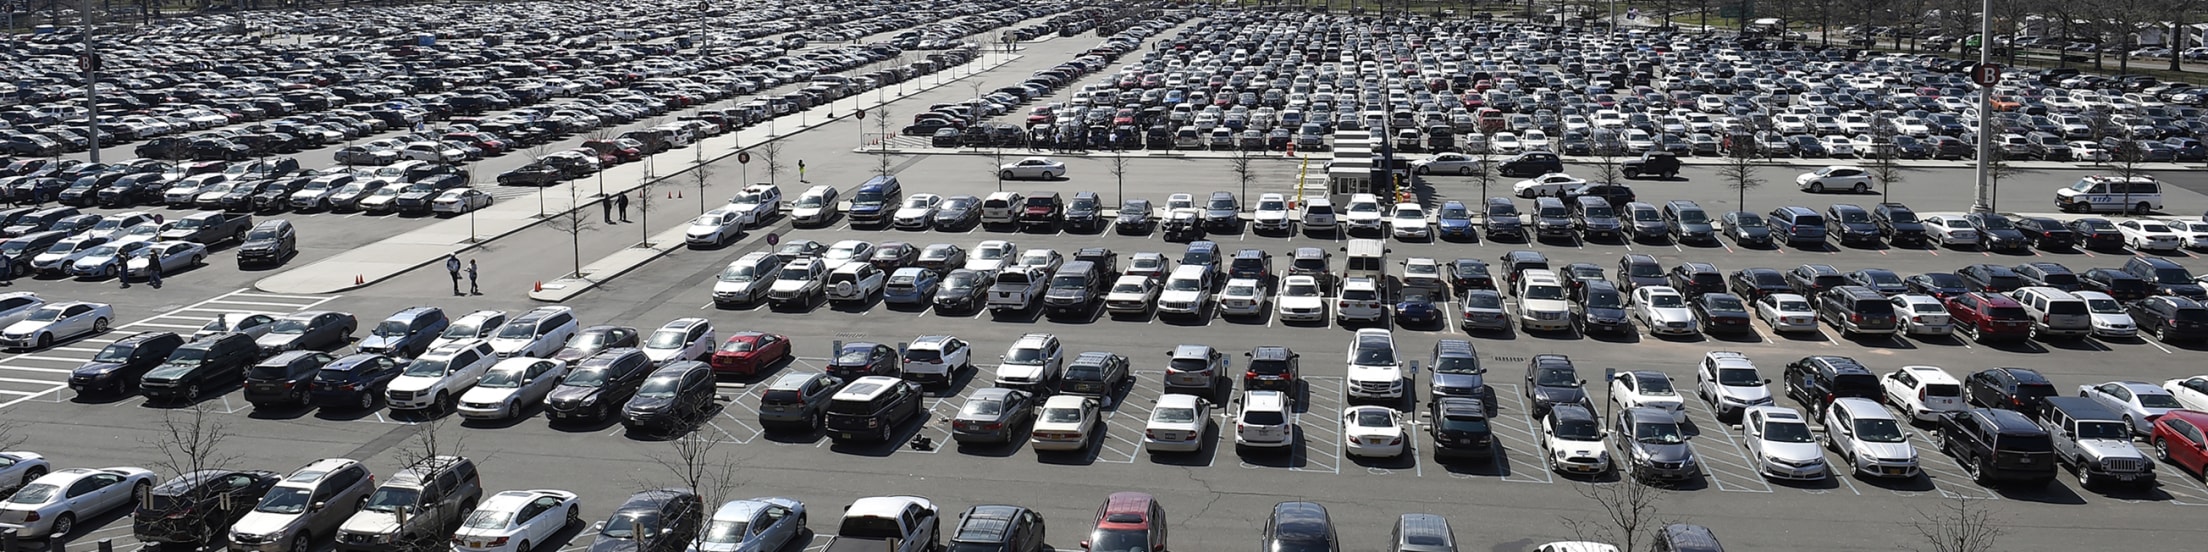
(1664, 310)
(1647, 388)
(52, 505)
(1446, 163)
(1372, 432)
(1301, 300)
(1040, 168)
(1786, 312)
(1507, 143)
(175, 256)
(715, 228)
(991, 256)
(1951, 230)
(2193, 232)
(55, 322)
(2145, 235)
(1177, 424)
(2109, 317)
(2191, 392)
(511, 386)
(20, 468)
(517, 521)
(1065, 423)
(1551, 185)
(917, 212)
(1836, 177)
(1131, 294)
(1242, 297)
(1840, 146)
(1780, 443)
(459, 201)
(1922, 315)
(1408, 222)
(2088, 150)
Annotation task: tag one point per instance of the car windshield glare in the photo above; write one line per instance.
(1663, 433)
(666, 339)
(982, 408)
(1173, 415)
(1545, 292)
(1879, 430)
(1787, 432)
(391, 500)
(45, 314)
(37, 493)
(2103, 430)
(1374, 418)
(659, 388)
(1062, 415)
(501, 379)
(1577, 430)
(726, 531)
(1119, 540)
(284, 500)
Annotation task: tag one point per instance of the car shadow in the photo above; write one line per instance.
(1011, 445)
(1296, 455)
(897, 439)
(1919, 484)
(1881, 341)
(2025, 346)
(350, 412)
(855, 307)
(2055, 492)
(1736, 337)
(1827, 483)
(584, 426)
(1029, 315)
(1083, 316)
(1814, 336)
(280, 412)
(1613, 337)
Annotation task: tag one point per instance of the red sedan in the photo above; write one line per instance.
(2178, 439)
(747, 353)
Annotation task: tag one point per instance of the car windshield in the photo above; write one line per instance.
(1364, 208)
(1062, 415)
(1375, 355)
(1024, 355)
(1458, 365)
(726, 531)
(2100, 306)
(285, 500)
(1879, 430)
(1901, 216)
(1577, 429)
(463, 330)
(659, 388)
(426, 368)
(1665, 301)
(1272, 205)
(390, 500)
(666, 339)
(991, 253)
(1746, 220)
(390, 328)
(2172, 276)
(1173, 415)
(1787, 432)
(45, 314)
(1545, 292)
(809, 200)
(2103, 430)
(487, 518)
(1657, 433)
(1471, 424)
(1119, 540)
(1855, 216)
(1647, 215)
(1374, 418)
(630, 526)
(501, 379)
(37, 493)
(66, 246)
(1183, 284)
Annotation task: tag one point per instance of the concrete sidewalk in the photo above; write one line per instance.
(429, 244)
(914, 145)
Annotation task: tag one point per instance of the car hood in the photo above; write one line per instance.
(1560, 395)
(1459, 381)
(986, 265)
(277, 339)
(1297, 301)
(571, 395)
(1663, 452)
(1671, 315)
(2109, 448)
(1271, 215)
(868, 207)
(1860, 227)
(1907, 227)
(1606, 314)
(909, 213)
(790, 285)
(951, 214)
(734, 287)
(1020, 371)
(95, 369)
(1796, 452)
(1543, 305)
(1374, 373)
(1655, 225)
(605, 544)
(371, 523)
(261, 523)
(643, 405)
(1694, 228)
(703, 229)
(1747, 394)
(1885, 451)
(1177, 295)
(1066, 293)
(412, 383)
(25, 327)
(480, 394)
(380, 341)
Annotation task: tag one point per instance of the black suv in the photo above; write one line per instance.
(1990, 278)
(2018, 389)
(1085, 212)
(118, 367)
(1814, 381)
(2168, 278)
(1897, 223)
(1551, 380)
(2116, 283)
(2171, 318)
(1695, 279)
(673, 398)
(285, 379)
(180, 510)
(1811, 280)
(2048, 274)
(1754, 283)
(1275, 368)
(1851, 224)
(998, 528)
(872, 408)
(1999, 445)
(1460, 429)
(200, 366)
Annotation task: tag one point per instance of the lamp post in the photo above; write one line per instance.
(1983, 202)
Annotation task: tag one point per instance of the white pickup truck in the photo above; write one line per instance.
(1016, 289)
(888, 524)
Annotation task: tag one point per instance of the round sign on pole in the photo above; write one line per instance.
(774, 238)
(861, 114)
(1985, 74)
(743, 157)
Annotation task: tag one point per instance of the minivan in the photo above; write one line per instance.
(2054, 312)
(118, 367)
(873, 202)
(538, 333)
(1422, 533)
(1798, 224)
(872, 408)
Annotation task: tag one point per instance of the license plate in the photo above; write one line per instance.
(2026, 460)
(2126, 477)
(1895, 471)
(846, 434)
(777, 408)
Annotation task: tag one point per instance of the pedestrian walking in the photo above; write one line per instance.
(7, 271)
(607, 205)
(122, 268)
(153, 271)
(452, 265)
(472, 290)
(801, 172)
(622, 202)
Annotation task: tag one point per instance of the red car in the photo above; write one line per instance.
(2178, 439)
(747, 353)
(1128, 521)
(1989, 316)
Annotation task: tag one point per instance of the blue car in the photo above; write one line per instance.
(911, 285)
(1417, 308)
(1454, 221)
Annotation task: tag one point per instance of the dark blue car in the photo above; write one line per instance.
(1417, 308)
(1454, 221)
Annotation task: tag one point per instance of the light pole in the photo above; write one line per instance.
(1983, 201)
(91, 62)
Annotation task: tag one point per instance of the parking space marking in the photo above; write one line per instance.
(1943, 471)
(45, 373)
(1728, 468)
(1518, 437)
(2188, 493)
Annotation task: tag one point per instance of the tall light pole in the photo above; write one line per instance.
(91, 62)
(1983, 202)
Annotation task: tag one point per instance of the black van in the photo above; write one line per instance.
(118, 367)
(200, 365)
(872, 408)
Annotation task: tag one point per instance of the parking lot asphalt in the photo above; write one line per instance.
(1215, 499)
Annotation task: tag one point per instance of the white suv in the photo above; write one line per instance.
(682, 339)
(1869, 438)
(1272, 214)
(1264, 422)
(937, 359)
(476, 325)
(438, 377)
(1318, 215)
(1365, 213)
(1033, 363)
(1360, 300)
(1541, 302)
(1375, 370)
(538, 333)
(1187, 292)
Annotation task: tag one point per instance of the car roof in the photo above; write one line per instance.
(1297, 520)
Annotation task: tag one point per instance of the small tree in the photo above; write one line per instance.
(884, 162)
(1119, 172)
(2128, 161)
(573, 222)
(185, 442)
(644, 204)
(1242, 171)
(428, 447)
(996, 166)
(695, 461)
(1609, 167)
(1739, 169)
(1626, 514)
(1998, 168)
(1959, 524)
(1485, 173)
(771, 154)
(1885, 163)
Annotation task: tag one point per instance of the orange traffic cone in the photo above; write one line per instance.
(359, 281)
(539, 286)
(670, 195)
(678, 194)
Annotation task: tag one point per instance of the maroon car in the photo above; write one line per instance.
(1989, 316)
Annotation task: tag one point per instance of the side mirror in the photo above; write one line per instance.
(596, 527)
(318, 506)
(1767, 381)
(1084, 544)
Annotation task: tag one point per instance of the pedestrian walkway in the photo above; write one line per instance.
(429, 244)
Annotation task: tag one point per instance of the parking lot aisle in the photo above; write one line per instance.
(41, 375)
(943, 408)
(2183, 488)
(1127, 415)
(1728, 466)
(739, 419)
(1518, 439)
(1947, 476)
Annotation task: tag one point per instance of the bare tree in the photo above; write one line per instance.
(1485, 172)
(188, 443)
(882, 158)
(1626, 514)
(1959, 524)
(1242, 170)
(1609, 162)
(1739, 169)
(574, 223)
(1998, 169)
(1885, 165)
(771, 154)
(2128, 162)
(1119, 172)
(695, 461)
(996, 166)
(429, 448)
(643, 202)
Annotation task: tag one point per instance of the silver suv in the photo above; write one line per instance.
(306, 504)
(417, 509)
(1034, 363)
(1196, 370)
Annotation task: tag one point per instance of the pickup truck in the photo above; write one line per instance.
(1016, 289)
(888, 524)
(209, 228)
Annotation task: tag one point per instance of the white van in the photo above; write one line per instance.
(1365, 258)
(2138, 194)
